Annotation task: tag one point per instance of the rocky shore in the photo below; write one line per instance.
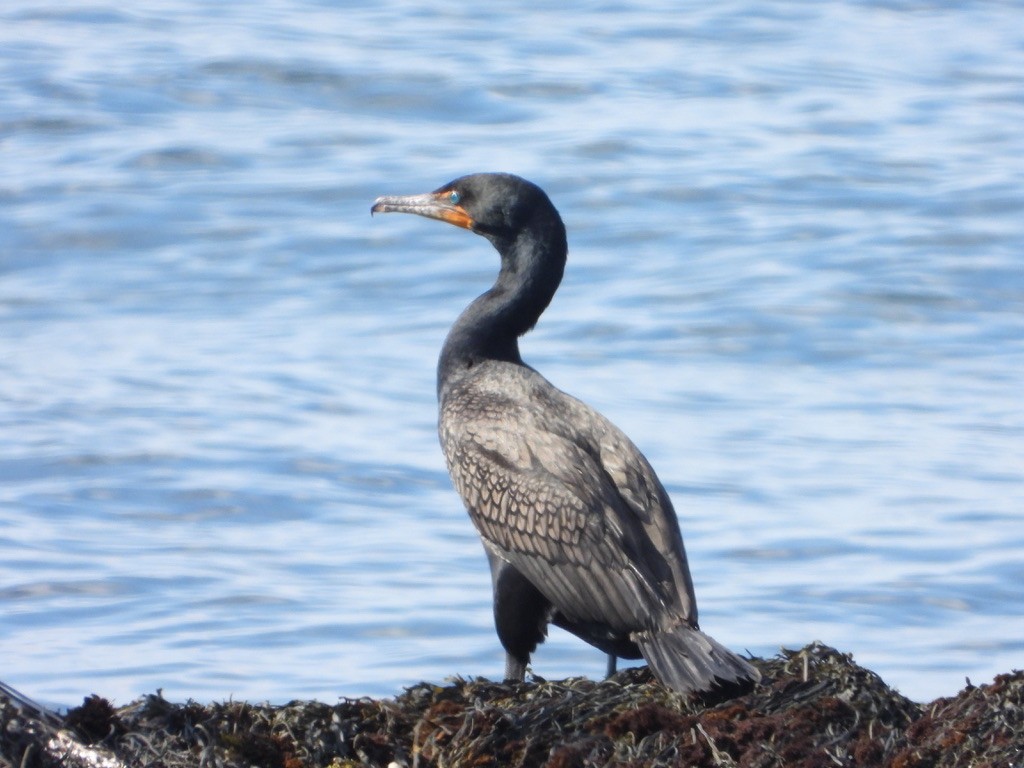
(815, 708)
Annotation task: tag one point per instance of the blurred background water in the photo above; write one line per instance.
(795, 280)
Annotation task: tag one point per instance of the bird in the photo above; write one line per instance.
(578, 530)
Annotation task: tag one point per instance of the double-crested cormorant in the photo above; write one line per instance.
(578, 529)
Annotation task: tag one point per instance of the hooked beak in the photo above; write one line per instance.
(433, 205)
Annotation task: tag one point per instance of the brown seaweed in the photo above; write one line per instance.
(815, 708)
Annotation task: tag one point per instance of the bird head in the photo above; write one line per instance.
(495, 205)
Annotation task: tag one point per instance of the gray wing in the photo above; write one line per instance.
(558, 491)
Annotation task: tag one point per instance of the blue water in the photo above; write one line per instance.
(796, 280)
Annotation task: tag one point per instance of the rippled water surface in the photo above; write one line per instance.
(795, 279)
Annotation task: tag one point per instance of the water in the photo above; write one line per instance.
(795, 280)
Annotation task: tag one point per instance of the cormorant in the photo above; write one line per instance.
(577, 527)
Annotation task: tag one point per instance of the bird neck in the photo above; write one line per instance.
(489, 328)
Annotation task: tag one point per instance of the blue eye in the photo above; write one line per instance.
(454, 197)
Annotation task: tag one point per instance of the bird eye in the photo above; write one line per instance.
(454, 197)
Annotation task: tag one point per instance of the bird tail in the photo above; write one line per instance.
(688, 661)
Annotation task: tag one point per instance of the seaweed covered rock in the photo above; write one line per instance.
(815, 707)
(983, 726)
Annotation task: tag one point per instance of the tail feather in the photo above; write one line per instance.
(688, 661)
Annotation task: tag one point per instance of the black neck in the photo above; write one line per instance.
(489, 329)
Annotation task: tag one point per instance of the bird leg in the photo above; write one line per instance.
(515, 670)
